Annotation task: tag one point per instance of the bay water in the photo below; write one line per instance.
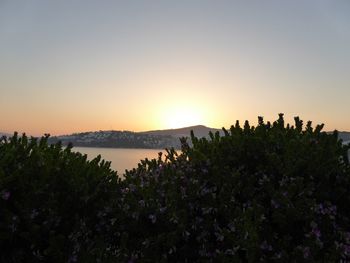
(121, 158)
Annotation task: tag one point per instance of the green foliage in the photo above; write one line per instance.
(47, 195)
(270, 193)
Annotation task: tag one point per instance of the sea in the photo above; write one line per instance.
(121, 159)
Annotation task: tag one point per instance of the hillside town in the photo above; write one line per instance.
(118, 139)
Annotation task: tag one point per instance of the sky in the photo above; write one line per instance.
(73, 66)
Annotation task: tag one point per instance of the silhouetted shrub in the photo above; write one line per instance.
(271, 193)
(49, 200)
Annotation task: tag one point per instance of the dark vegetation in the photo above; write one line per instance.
(271, 193)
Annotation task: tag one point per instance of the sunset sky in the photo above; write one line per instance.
(71, 66)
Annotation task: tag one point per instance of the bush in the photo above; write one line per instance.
(271, 193)
(266, 193)
(49, 198)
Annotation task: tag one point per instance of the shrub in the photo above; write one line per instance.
(268, 193)
(49, 200)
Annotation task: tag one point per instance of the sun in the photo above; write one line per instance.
(182, 117)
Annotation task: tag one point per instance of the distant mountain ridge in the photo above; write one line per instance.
(158, 139)
(117, 139)
(203, 131)
(198, 130)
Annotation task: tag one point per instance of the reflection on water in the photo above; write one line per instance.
(121, 159)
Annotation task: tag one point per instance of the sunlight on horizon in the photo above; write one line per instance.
(159, 65)
(181, 116)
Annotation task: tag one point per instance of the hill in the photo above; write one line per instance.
(199, 131)
(158, 139)
(118, 139)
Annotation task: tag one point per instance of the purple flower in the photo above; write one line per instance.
(162, 209)
(146, 243)
(135, 215)
(316, 231)
(72, 258)
(153, 218)
(125, 190)
(306, 252)
(327, 210)
(5, 195)
(132, 187)
(231, 227)
(322, 210)
(346, 249)
(274, 204)
(186, 234)
(219, 237)
(333, 209)
(34, 213)
(278, 255)
(265, 246)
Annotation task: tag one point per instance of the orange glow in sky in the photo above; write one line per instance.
(75, 66)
